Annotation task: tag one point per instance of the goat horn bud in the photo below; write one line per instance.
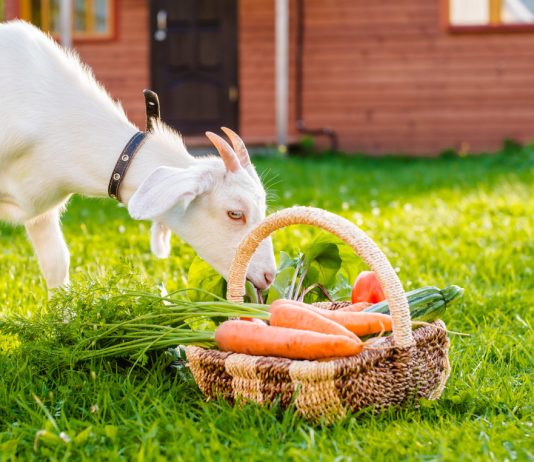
(239, 146)
(227, 154)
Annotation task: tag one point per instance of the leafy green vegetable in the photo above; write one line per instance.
(322, 264)
(286, 261)
(281, 286)
(202, 276)
(211, 284)
(342, 289)
(314, 274)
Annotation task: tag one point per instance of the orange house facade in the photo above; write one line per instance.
(414, 77)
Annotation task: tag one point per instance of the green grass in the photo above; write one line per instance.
(467, 221)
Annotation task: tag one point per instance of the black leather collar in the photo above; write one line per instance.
(133, 145)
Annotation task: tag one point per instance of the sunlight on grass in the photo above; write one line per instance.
(465, 221)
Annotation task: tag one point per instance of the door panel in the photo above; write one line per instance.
(194, 62)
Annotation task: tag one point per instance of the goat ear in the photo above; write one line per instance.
(160, 240)
(166, 187)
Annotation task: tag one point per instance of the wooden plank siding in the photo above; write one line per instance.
(389, 78)
(11, 9)
(121, 63)
(386, 75)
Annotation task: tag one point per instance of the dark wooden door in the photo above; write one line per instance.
(194, 63)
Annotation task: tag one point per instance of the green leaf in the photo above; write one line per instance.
(322, 262)
(280, 285)
(315, 247)
(342, 291)
(250, 292)
(352, 263)
(203, 276)
(287, 261)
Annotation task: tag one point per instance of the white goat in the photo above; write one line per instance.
(61, 133)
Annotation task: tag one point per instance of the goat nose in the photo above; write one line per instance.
(269, 278)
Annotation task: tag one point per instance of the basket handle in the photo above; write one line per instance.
(348, 232)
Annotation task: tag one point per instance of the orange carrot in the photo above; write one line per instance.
(296, 317)
(356, 307)
(255, 320)
(284, 301)
(254, 339)
(360, 323)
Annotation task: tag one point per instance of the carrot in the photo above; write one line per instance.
(359, 323)
(255, 320)
(284, 301)
(254, 339)
(362, 323)
(356, 307)
(296, 317)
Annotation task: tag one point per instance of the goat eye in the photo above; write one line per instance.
(235, 214)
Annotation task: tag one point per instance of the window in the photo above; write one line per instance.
(491, 13)
(93, 19)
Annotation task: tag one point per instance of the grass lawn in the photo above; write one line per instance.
(468, 221)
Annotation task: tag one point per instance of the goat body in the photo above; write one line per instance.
(61, 134)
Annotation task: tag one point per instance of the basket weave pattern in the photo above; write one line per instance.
(395, 371)
(377, 378)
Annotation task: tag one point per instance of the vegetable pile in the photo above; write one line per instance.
(301, 331)
(298, 330)
(88, 323)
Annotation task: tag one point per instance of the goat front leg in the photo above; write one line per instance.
(50, 248)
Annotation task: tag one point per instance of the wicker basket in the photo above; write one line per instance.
(398, 370)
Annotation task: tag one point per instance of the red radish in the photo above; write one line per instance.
(367, 288)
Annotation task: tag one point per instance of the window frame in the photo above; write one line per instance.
(77, 37)
(478, 28)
